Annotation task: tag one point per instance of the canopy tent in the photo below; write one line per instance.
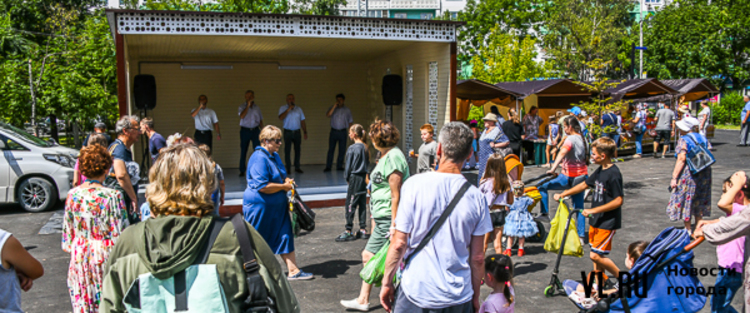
(549, 96)
(479, 93)
(639, 89)
(692, 89)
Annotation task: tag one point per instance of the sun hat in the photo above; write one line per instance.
(686, 124)
(575, 110)
(583, 113)
(490, 117)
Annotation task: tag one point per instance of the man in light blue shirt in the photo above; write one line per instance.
(251, 121)
(294, 121)
(745, 131)
(205, 120)
(341, 120)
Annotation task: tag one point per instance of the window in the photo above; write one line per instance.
(375, 13)
(400, 15)
(11, 145)
(426, 16)
(454, 15)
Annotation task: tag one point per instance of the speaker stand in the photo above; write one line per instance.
(146, 159)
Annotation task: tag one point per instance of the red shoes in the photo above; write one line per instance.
(521, 252)
(508, 252)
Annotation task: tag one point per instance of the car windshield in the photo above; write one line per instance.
(23, 135)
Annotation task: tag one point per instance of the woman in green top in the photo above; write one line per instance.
(386, 178)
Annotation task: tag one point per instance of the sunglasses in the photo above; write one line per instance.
(277, 141)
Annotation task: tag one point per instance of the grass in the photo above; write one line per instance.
(728, 127)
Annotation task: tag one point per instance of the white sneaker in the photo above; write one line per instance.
(354, 305)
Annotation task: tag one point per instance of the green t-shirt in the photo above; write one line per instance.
(380, 198)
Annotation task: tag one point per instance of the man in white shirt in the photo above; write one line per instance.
(205, 120)
(341, 120)
(294, 121)
(446, 274)
(251, 121)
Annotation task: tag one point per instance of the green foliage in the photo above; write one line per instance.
(317, 7)
(520, 17)
(506, 58)
(727, 112)
(240, 6)
(691, 38)
(600, 104)
(578, 32)
(476, 113)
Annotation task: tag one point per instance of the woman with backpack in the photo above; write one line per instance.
(691, 192)
(183, 233)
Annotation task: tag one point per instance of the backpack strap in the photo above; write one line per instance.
(180, 280)
(440, 221)
(258, 299)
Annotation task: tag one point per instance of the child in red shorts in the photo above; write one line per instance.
(605, 212)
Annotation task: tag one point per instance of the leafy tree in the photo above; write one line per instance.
(727, 112)
(506, 58)
(243, 6)
(692, 38)
(578, 32)
(600, 104)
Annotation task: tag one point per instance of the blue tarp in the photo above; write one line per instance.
(661, 284)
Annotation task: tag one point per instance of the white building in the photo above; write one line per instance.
(402, 9)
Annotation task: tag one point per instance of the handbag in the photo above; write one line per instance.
(304, 216)
(698, 158)
(257, 299)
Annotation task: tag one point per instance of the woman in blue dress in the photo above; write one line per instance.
(492, 140)
(265, 204)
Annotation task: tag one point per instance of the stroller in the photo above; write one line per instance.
(671, 248)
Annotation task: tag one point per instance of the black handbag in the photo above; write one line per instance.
(304, 215)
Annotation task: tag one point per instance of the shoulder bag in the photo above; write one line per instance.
(440, 221)
(258, 299)
(698, 158)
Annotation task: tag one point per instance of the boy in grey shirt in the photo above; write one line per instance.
(664, 125)
(427, 151)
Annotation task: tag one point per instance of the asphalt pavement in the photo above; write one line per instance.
(336, 266)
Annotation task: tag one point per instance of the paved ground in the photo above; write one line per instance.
(336, 265)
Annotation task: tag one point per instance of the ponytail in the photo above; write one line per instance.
(501, 268)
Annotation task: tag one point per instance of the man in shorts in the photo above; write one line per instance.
(664, 129)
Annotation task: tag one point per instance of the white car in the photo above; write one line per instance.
(33, 172)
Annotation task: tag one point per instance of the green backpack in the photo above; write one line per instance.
(198, 288)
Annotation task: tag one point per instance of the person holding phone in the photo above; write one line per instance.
(294, 129)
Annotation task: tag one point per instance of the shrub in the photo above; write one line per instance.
(727, 112)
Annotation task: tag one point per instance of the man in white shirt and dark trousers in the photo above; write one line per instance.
(251, 121)
(294, 129)
(341, 119)
(445, 275)
(205, 121)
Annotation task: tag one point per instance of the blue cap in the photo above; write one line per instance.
(575, 110)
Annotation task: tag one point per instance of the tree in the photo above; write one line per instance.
(519, 17)
(579, 32)
(506, 58)
(599, 103)
(692, 38)
(317, 7)
(239, 6)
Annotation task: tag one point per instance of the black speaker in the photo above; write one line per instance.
(144, 90)
(392, 89)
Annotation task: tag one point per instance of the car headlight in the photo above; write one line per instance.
(61, 159)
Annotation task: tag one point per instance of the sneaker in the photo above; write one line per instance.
(362, 234)
(521, 252)
(664, 156)
(354, 305)
(340, 169)
(298, 171)
(637, 156)
(327, 169)
(656, 156)
(508, 252)
(345, 236)
(301, 276)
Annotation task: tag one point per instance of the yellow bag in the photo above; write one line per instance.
(557, 230)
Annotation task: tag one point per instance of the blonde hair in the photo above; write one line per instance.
(270, 132)
(358, 130)
(182, 180)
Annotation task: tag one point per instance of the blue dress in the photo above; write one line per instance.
(519, 222)
(268, 213)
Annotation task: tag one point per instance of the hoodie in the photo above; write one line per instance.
(166, 245)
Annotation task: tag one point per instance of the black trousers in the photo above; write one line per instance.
(247, 135)
(336, 137)
(204, 136)
(292, 137)
(356, 201)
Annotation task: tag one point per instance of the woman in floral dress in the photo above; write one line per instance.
(94, 218)
(492, 140)
(691, 193)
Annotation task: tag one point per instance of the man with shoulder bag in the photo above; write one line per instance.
(439, 256)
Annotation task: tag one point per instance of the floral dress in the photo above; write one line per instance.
(519, 222)
(487, 137)
(94, 219)
(693, 193)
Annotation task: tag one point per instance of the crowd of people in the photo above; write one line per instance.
(114, 246)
